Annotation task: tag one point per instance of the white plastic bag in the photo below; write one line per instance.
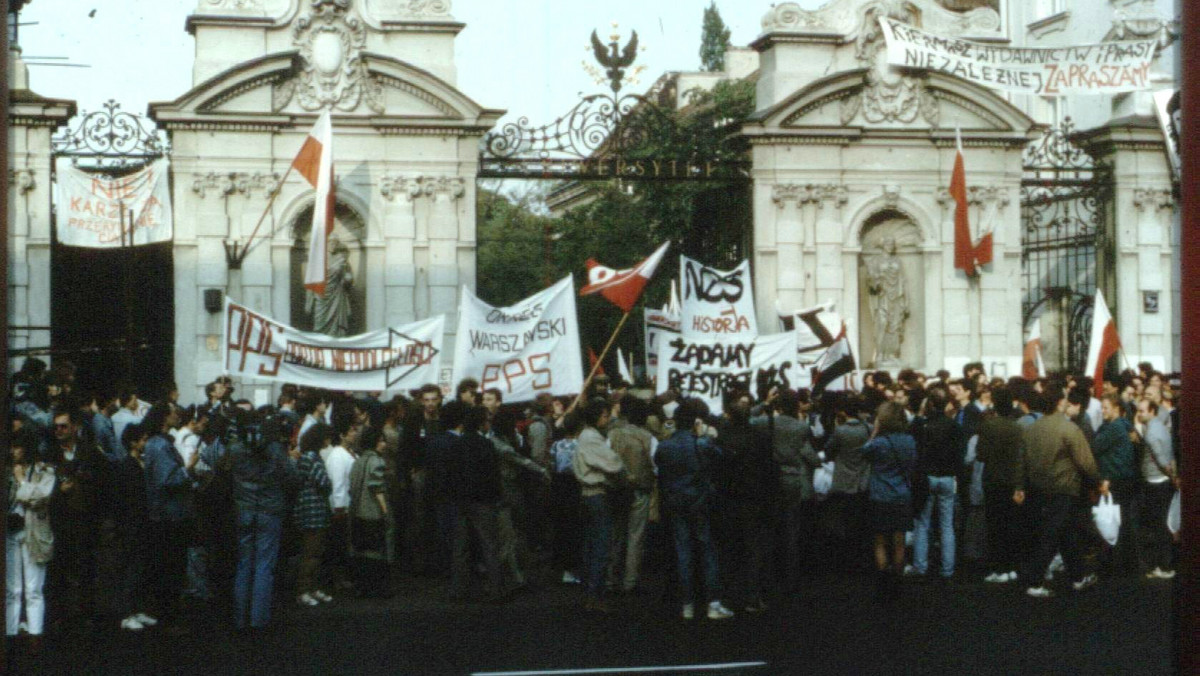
(823, 479)
(1173, 515)
(1107, 516)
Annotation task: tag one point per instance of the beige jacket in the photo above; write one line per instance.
(34, 497)
(596, 465)
(632, 444)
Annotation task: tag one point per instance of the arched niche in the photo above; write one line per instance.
(891, 292)
(349, 229)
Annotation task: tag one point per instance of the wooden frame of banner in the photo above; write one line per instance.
(599, 361)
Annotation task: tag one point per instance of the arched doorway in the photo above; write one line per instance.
(349, 230)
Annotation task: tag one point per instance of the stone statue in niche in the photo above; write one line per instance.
(888, 300)
(331, 312)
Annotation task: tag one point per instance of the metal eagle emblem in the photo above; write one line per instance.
(614, 59)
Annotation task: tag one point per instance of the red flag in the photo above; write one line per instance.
(315, 163)
(592, 359)
(622, 287)
(1104, 344)
(964, 250)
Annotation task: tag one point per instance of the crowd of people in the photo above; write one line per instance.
(122, 509)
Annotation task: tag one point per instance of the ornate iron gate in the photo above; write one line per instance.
(112, 312)
(1065, 198)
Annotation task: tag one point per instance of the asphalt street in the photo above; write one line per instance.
(830, 626)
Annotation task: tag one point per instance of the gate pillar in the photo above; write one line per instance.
(1137, 260)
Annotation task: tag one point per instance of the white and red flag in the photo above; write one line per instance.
(1032, 366)
(622, 287)
(1104, 345)
(315, 163)
(968, 254)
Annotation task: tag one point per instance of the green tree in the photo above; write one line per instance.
(714, 40)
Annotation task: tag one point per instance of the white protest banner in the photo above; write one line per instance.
(661, 326)
(707, 369)
(1166, 107)
(399, 358)
(716, 303)
(90, 206)
(1105, 68)
(524, 349)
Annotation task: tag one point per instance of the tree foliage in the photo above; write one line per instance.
(714, 40)
(622, 222)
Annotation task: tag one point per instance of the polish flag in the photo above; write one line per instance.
(622, 287)
(623, 368)
(964, 249)
(1032, 366)
(1104, 345)
(315, 163)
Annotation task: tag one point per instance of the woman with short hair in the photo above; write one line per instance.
(892, 452)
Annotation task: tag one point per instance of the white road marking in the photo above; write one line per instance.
(625, 670)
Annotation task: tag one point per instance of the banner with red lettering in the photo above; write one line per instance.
(399, 358)
(523, 349)
(1105, 68)
(716, 303)
(90, 207)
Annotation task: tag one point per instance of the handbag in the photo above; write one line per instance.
(823, 480)
(1107, 517)
(1173, 515)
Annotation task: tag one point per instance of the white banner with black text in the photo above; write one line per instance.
(716, 303)
(708, 369)
(100, 212)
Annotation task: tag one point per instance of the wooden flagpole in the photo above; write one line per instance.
(599, 360)
(270, 202)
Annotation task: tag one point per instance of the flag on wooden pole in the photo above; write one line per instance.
(622, 287)
(315, 163)
(1104, 344)
(964, 249)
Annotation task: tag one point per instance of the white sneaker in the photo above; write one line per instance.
(569, 578)
(689, 612)
(307, 600)
(131, 624)
(996, 577)
(322, 596)
(1039, 592)
(1166, 574)
(145, 619)
(1087, 582)
(716, 611)
(1010, 577)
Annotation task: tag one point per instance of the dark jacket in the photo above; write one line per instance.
(793, 453)
(753, 474)
(684, 470)
(129, 481)
(168, 484)
(477, 471)
(1115, 455)
(941, 446)
(261, 479)
(999, 449)
(1057, 457)
(892, 459)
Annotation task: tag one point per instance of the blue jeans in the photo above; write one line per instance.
(686, 526)
(941, 491)
(258, 550)
(596, 541)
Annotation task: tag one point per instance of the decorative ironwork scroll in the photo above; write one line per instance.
(1065, 198)
(110, 140)
(604, 136)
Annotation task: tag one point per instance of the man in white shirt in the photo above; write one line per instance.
(313, 410)
(128, 413)
(339, 460)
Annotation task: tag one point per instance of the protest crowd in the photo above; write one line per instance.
(136, 513)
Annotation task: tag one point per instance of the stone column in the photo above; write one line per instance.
(789, 199)
(443, 193)
(828, 238)
(997, 287)
(1155, 216)
(21, 183)
(400, 271)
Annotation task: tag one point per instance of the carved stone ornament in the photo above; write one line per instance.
(1154, 198)
(841, 17)
(450, 187)
(987, 196)
(783, 193)
(888, 95)
(404, 187)
(333, 73)
(233, 4)
(1143, 27)
(22, 180)
(238, 182)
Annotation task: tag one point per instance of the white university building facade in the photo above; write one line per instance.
(850, 163)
